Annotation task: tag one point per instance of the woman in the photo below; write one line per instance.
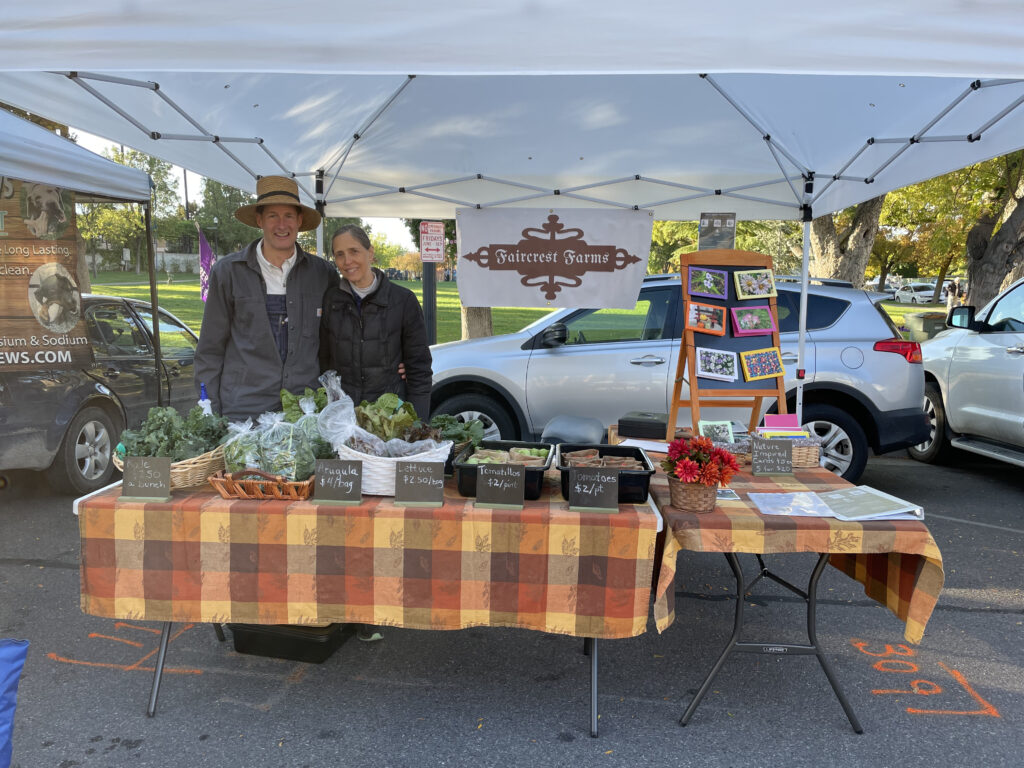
(370, 326)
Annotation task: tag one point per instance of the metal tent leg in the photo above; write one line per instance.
(158, 671)
(593, 686)
(219, 631)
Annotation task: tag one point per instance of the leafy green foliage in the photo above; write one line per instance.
(386, 418)
(286, 450)
(290, 403)
(165, 433)
(458, 431)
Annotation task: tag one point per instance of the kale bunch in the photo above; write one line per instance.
(165, 433)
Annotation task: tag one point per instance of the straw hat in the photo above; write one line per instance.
(277, 190)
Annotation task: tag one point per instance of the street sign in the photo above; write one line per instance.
(432, 240)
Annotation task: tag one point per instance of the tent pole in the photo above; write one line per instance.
(153, 301)
(805, 277)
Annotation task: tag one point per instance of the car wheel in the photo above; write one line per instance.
(497, 423)
(844, 446)
(84, 461)
(936, 447)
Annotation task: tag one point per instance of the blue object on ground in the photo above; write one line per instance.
(12, 659)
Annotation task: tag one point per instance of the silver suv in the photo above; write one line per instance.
(864, 384)
(973, 373)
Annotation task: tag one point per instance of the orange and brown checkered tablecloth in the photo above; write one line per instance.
(200, 558)
(898, 562)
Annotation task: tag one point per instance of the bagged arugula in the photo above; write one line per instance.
(291, 405)
(309, 424)
(285, 449)
(242, 448)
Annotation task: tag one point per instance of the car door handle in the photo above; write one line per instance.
(111, 373)
(174, 371)
(790, 358)
(1018, 350)
(647, 360)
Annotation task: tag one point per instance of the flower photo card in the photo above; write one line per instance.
(753, 320)
(716, 364)
(717, 431)
(711, 283)
(754, 284)
(705, 318)
(762, 364)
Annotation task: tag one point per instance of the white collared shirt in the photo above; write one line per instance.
(276, 278)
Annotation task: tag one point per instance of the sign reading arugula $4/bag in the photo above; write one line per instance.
(564, 257)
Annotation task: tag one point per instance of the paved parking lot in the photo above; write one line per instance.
(484, 697)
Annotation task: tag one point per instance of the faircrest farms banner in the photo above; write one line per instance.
(41, 324)
(541, 257)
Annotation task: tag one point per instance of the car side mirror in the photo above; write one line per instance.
(960, 317)
(555, 335)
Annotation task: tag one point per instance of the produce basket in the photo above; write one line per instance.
(257, 484)
(633, 483)
(190, 472)
(379, 471)
(457, 448)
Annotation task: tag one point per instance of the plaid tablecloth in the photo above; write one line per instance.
(200, 558)
(898, 562)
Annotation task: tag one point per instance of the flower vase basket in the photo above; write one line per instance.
(692, 497)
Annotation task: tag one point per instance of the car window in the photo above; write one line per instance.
(1008, 313)
(644, 322)
(822, 311)
(176, 341)
(114, 332)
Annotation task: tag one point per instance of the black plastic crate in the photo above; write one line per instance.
(643, 424)
(633, 483)
(465, 474)
(313, 645)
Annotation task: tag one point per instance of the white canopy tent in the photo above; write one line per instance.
(31, 153)
(406, 108)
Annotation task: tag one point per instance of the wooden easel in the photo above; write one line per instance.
(724, 396)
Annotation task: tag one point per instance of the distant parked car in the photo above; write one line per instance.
(973, 374)
(916, 293)
(68, 422)
(863, 388)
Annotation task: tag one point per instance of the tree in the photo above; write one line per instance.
(220, 201)
(307, 240)
(408, 262)
(51, 125)
(387, 254)
(994, 257)
(669, 239)
(841, 243)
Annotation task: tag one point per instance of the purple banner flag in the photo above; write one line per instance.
(206, 259)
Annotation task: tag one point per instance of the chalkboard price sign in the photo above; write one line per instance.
(500, 485)
(338, 481)
(593, 489)
(147, 478)
(771, 457)
(419, 483)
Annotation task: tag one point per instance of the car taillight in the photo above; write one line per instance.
(910, 350)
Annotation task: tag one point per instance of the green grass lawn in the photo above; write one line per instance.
(898, 311)
(180, 297)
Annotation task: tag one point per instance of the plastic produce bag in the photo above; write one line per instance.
(337, 421)
(242, 446)
(285, 449)
(309, 423)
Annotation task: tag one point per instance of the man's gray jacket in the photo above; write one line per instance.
(237, 357)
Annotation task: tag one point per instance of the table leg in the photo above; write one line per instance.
(218, 630)
(158, 671)
(812, 647)
(737, 625)
(593, 686)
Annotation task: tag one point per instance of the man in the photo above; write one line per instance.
(261, 325)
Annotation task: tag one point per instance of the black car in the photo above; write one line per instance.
(69, 422)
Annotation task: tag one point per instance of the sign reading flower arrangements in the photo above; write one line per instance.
(552, 258)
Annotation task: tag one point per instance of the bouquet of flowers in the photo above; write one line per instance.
(698, 461)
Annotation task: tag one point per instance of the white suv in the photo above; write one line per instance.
(863, 388)
(974, 382)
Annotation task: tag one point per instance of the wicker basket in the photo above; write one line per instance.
(379, 471)
(692, 497)
(190, 472)
(256, 484)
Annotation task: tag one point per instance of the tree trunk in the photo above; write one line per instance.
(991, 259)
(476, 322)
(844, 256)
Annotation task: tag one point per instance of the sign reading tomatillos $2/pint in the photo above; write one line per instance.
(542, 257)
(40, 301)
